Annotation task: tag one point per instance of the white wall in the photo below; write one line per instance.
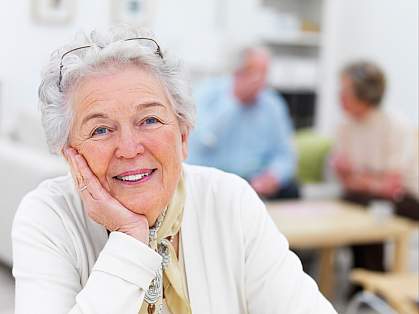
(384, 31)
(195, 30)
(26, 47)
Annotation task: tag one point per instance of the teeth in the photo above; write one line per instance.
(135, 177)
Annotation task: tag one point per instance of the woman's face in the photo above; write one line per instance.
(127, 131)
(350, 102)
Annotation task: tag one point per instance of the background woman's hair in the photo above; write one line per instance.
(369, 82)
(108, 50)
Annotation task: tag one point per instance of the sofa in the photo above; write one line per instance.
(22, 168)
(314, 173)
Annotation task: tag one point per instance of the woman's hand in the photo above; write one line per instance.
(341, 165)
(100, 205)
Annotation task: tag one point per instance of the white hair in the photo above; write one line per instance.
(239, 53)
(106, 49)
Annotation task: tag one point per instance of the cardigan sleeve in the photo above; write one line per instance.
(47, 275)
(274, 279)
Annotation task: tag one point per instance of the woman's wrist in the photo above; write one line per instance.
(139, 231)
(139, 235)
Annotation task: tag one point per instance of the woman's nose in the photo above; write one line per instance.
(129, 145)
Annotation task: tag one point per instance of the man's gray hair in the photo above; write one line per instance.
(240, 54)
(108, 49)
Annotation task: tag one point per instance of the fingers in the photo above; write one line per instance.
(68, 153)
(85, 180)
(94, 187)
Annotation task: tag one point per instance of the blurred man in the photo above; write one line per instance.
(243, 127)
(376, 156)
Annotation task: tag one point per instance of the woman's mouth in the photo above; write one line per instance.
(135, 177)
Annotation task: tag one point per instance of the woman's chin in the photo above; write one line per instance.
(147, 204)
(148, 209)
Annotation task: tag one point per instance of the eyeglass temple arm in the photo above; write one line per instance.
(61, 64)
(158, 51)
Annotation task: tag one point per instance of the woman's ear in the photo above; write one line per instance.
(185, 142)
(63, 151)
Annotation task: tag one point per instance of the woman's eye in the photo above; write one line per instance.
(151, 120)
(100, 131)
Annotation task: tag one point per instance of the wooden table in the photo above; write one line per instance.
(326, 225)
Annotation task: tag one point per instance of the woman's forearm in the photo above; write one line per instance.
(382, 184)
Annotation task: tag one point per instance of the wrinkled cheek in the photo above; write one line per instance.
(169, 153)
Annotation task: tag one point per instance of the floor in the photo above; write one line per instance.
(343, 261)
(7, 294)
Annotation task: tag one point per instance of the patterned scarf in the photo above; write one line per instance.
(167, 226)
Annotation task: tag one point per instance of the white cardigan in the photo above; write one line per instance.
(236, 260)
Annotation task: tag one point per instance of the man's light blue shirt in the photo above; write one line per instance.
(246, 140)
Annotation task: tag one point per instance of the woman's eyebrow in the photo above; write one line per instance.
(146, 105)
(139, 107)
(93, 116)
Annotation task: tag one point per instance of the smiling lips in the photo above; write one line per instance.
(135, 177)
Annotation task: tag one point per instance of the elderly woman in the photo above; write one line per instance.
(137, 231)
(376, 155)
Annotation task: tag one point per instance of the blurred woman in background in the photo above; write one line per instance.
(376, 155)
